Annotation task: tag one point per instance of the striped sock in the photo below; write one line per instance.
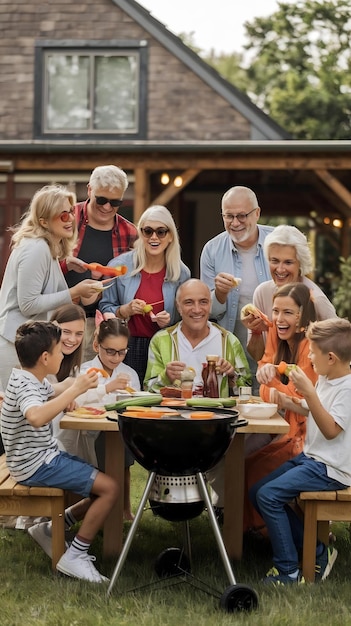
(78, 546)
(70, 520)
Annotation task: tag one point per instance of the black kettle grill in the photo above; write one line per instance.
(177, 450)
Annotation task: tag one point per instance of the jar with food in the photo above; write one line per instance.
(186, 382)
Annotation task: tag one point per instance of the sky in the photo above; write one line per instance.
(216, 24)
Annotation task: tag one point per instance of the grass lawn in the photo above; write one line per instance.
(30, 595)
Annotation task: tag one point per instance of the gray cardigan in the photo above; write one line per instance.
(32, 287)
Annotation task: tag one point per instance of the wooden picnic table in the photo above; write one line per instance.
(233, 486)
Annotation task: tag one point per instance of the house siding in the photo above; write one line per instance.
(180, 106)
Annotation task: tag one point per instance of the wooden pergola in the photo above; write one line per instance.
(290, 177)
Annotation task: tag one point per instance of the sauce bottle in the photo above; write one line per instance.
(211, 389)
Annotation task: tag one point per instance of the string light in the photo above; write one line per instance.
(164, 178)
(178, 181)
(337, 223)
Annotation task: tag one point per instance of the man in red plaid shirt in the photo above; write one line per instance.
(102, 235)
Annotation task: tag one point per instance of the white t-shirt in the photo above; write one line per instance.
(98, 394)
(335, 396)
(195, 357)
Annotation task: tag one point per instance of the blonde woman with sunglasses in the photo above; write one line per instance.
(155, 271)
(33, 284)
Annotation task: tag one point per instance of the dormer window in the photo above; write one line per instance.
(90, 91)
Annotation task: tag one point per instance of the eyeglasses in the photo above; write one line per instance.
(160, 232)
(101, 200)
(241, 217)
(112, 352)
(65, 216)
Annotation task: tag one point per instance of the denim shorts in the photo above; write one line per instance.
(65, 471)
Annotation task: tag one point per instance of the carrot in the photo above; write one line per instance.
(282, 367)
(202, 415)
(285, 368)
(98, 370)
(118, 270)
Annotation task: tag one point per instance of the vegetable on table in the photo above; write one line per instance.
(152, 400)
(211, 402)
(202, 415)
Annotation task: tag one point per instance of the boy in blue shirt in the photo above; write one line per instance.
(325, 463)
(32, 453)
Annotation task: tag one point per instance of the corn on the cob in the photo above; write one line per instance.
(228, 402)
(152, 400)
(207, 402)
(211, 402)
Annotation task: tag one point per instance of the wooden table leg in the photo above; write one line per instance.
(234, 497)
(114, 466)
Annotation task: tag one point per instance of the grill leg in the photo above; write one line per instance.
(187, 541)
(204, 494)
(132, 532)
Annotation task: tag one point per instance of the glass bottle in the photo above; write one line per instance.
(204, 378)
(211, 389)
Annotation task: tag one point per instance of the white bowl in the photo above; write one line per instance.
(261, 410)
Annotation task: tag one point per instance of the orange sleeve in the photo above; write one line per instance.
(302, 361)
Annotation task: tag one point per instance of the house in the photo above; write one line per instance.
(91, 83)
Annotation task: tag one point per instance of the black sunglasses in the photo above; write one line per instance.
(101, 200)
(160, 232)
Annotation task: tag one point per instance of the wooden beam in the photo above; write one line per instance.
(141, 192)
(171, 190)
(161, 161)
(345, 240)
(336, 186)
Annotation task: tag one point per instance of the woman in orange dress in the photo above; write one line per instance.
(292, 311)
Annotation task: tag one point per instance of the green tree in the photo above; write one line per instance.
(231, 67)
(297, 67)
(341, 299)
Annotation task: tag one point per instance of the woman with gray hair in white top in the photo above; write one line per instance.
(287, 251)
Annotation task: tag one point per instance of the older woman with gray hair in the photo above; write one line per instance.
(155, 271)
(289, 257)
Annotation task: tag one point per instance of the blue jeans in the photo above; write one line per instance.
(271, 497)
(65, 471)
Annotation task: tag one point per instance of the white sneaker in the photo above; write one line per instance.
(80, 567)
(41, 533)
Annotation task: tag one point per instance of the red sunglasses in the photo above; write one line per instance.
(65, 215)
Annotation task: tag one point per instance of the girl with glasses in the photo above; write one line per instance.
(111, 347)
(33, 284)
(155, 271)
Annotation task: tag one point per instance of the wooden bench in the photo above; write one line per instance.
(17, 499)
(319, 508)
